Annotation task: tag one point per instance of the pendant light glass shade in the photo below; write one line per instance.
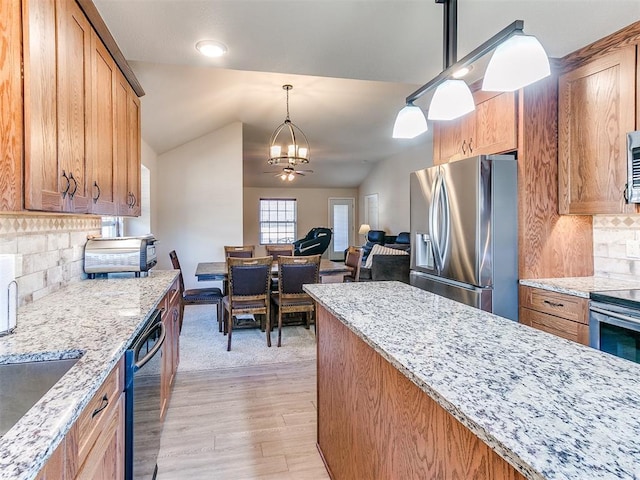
(410, 122)
(452, 99)
(516, 63)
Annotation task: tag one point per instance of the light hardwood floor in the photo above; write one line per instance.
(243, 423)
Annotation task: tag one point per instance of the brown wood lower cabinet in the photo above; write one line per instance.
(94, 446)
(374, 423)
(566, 316)
(171, 347)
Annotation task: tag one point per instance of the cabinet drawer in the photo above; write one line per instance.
(558, 304)
(561, 327)
(173, 295)
(98, 411)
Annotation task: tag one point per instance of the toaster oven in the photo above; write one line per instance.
(119, 254)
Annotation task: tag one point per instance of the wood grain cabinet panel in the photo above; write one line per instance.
(11, 120)
(490, 129)
(597, 107)
(101, 158)
(73, 34)
(171, 347)
(374, 423)
(71, 108)
(565, 316)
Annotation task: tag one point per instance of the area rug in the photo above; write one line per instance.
(203, 347)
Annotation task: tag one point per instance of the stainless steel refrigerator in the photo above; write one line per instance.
(464, 232)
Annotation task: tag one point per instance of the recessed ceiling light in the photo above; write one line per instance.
(211, 48)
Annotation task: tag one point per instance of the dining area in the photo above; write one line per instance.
(262, 292)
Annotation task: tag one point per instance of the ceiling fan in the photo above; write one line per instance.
(289, 173)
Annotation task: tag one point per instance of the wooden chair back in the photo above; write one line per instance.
(243, 251)
(249, 278)
(353, 260)
(176, 266)
(278, 250)
(293, 272)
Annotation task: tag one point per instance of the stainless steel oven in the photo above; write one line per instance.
(614, 323)
(143, 427)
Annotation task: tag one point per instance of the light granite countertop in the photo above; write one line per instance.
(94, 319)
(552, 408)
(580, 286)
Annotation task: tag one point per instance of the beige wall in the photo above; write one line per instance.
(390, 180)
(199, 201)
(312, 203)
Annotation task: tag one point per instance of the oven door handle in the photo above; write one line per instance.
(143, 361)
(619, 316)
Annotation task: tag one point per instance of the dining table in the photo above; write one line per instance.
(330, 271)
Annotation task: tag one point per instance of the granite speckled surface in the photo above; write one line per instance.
(580, 286)
(93, 319)
(552, 408)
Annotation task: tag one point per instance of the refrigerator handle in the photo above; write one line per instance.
(434, 221)
(446, 227)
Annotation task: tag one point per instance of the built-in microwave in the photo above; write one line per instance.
(614, 323)
(632, 192)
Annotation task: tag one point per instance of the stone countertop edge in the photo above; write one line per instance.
(552, 408)
(95, 320)
(580, 286)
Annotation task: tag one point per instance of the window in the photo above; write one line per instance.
(278, 218)
(112, 226)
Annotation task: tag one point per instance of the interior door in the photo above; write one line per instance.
(341, 215)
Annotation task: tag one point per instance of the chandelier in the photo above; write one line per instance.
(288, 143)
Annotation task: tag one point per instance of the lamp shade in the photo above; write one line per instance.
(516, 63)
(410, 122)
(452, 99)
(364, 229)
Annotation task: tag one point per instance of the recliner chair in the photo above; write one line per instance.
(315, 242)
(373, 237)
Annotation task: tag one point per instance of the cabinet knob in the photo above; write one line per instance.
(470, 145)
(464, 147)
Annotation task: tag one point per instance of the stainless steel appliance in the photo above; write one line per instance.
(464, 234)
(614, 323)
(632, 192)
(119, 254)
(143, 426)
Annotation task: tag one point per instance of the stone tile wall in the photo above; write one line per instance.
(616, 246)
(48, 249)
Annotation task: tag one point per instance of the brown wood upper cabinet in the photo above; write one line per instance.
(597, 105)
(490, 129)
(72, 142)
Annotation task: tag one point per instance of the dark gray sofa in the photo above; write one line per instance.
(390, 267)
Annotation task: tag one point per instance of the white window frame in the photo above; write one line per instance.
(279, 207)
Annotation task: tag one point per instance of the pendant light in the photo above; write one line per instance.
(518, 60)
(288, 143)
(410, 122)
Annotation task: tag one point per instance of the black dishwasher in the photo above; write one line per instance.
(143, 427)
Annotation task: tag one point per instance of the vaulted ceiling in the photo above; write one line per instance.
(351, 62)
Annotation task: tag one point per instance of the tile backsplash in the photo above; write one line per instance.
(616, 246)
(48, 250)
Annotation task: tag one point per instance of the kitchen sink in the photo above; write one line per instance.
(23, 384)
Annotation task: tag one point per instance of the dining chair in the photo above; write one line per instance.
(293, 273)
(275, 251)
(353, 260)
(197, 296)
(249, 292)
(244, 251)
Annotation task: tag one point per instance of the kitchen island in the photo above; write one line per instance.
(414, 384)
(95, 320)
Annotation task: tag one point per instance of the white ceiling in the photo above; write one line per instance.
(351, 62)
